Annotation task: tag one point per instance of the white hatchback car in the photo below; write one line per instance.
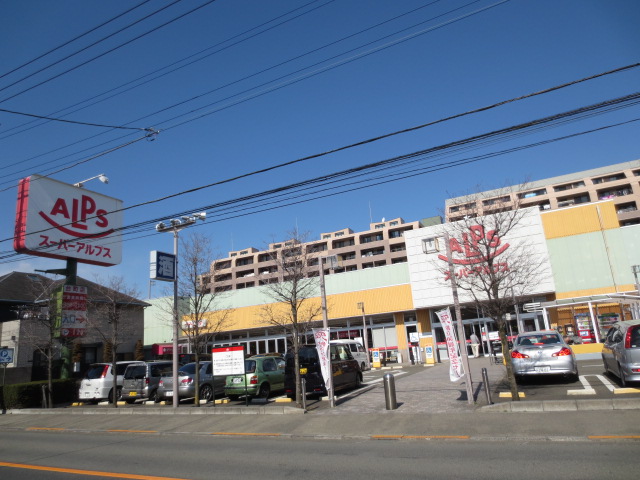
(97, 383)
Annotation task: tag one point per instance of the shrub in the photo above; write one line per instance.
(29, 395)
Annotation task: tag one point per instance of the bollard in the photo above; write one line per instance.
(485, 380)
(304, 392)
(390, 392)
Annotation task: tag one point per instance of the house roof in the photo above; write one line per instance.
(20, 287)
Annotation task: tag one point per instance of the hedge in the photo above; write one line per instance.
(29, 395)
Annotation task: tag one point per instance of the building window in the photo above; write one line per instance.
(533, 193)
(393, 224)
(371, 238)
(609, 178)
(569, 186)
(396, 233)
(326, 235)
(379, 226)
(614, 192)
(339, 234)
(568, 201)
(627, 207)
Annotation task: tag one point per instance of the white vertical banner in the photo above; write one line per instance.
(455, 365)
(321, 336)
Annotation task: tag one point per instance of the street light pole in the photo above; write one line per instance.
(175, 225)
(364, 333)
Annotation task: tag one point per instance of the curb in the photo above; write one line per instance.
(562, 406)
(274, 410)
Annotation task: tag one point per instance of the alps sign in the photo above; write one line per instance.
(59, 220)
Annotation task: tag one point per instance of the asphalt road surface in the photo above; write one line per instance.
(90, 455)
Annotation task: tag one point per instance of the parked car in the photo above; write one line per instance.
(97, 383)
(543, 353)
(345, 368)
(621, 351)
(263, 375)
(357, 350)
(141, 380)
(210, 386)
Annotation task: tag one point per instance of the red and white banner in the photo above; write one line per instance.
(456, 371)
(74, 311)
(322, 345)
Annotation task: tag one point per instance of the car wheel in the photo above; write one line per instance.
(362, 366)
(118, 395)
(206, 393)
(606, 367)
(623, 377)
(130, 400)
(154, 397)
(265, 390)
(233, 398)
(358, 381)
(519, 378)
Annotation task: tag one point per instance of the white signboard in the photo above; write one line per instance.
(228, 360)
(59, 220)
(455, 365)
(321, 336)
(428, 269)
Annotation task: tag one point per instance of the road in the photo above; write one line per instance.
(95, 455)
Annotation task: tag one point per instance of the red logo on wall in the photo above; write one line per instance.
(472, 249)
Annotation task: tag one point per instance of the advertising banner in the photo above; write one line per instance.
(322, 345)
(59, 220)
(455, 364)
(73, 311)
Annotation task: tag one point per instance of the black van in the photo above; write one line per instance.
(346, 370)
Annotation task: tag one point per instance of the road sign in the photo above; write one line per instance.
(6, 355)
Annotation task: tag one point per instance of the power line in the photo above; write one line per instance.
(240, 211)
(7, 135)
(73, 39)
(106, 52)
(584, 112)
(336, 65)
(75, 122)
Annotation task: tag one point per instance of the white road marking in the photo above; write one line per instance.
(587, 388)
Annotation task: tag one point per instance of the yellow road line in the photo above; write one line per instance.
(133, 431)
(613, 437)
(94, 473)
(45, 428)
(248, 434)
(426, 437)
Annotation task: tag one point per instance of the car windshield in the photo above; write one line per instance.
(542, 339)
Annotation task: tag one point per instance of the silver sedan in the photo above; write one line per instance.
(543, 353)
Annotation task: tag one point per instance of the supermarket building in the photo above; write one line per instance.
(590, 282)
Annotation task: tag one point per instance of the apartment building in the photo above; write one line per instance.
(383, 244)
(619, 182)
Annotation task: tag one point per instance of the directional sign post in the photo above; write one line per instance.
(6, 356)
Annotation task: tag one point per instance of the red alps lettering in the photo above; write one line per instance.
(82, 211)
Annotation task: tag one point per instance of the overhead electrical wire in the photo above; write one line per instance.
(278, 87)
(75, 122)
(94, 97)
(406, 130)
(586, 111)
(77, 37)
(117, 47)
(240, 211)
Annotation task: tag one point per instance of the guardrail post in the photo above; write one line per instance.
(485, 380)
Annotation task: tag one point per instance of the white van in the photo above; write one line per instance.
(357, 350)
(97, 382)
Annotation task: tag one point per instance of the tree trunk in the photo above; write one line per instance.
(197, 380)
(114, 385)
(296, 366)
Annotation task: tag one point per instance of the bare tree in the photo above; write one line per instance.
(41, 326)
(295, 306)
(491, 270)
(206, 318)
(113, 303)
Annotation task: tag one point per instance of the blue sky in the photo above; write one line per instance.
(282, 80)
